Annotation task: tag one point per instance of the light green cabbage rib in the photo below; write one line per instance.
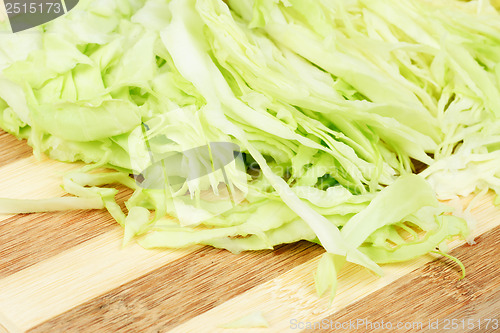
(353, 119)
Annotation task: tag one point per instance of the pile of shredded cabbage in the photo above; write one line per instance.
(353, 117)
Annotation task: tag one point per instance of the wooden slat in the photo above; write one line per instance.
(14, 149)
(433, 292)
(3, 329)
(64, 281)
(63, 272)
(26, 239)
(30, 178)
(180, 290)
(292, 294)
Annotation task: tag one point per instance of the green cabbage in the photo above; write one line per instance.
(336, 106)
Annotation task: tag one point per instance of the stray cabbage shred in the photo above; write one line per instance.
(353, 118)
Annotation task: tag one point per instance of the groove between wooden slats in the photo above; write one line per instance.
(292, 294)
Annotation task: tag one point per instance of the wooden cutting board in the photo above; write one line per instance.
(67, 272)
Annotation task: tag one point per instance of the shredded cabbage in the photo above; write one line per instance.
(352, 119)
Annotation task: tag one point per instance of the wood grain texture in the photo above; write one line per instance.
(31, 238)
(67, 272)
(180, 290)
(434, 292)
(75, 276)
(27, 239)
(292, 294)
(15, 149)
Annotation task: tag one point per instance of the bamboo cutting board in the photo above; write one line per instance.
(67, 272)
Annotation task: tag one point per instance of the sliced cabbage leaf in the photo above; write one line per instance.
(334, 105)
